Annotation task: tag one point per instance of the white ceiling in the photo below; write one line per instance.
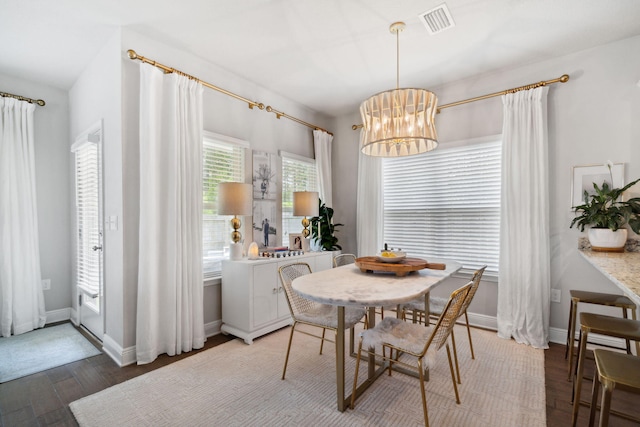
(326, 54)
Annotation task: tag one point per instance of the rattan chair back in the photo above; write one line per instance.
(447, 319)
(297, 303)
(344, 259)
(474, 287)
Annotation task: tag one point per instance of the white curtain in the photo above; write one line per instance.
(170, 294)
(524, 282)
(322, 147)
(369, 210)
(21, 297)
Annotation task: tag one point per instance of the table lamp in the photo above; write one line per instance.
(305, 203)
(234, 198)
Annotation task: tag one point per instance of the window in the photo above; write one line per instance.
(88, 177)
(446, 204)
(223, 161)
(298, 174)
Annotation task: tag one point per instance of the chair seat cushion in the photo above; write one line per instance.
(410, 337)
(436, 305)
(327, 315)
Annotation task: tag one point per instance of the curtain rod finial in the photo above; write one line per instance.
(132, 54)
(564, 78)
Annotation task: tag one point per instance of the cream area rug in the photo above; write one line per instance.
(235, 384)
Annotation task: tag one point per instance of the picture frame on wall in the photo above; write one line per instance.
(264, 176)
(583, 178)
(295, 241)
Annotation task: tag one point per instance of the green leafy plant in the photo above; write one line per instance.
(324, 222)
(603, 209)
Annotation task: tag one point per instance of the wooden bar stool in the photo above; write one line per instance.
(627, 329)
(586, 297)
(614, 370)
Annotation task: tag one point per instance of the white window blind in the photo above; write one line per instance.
(446, 204)
(88, 221)
(298, 174)
(223, 161)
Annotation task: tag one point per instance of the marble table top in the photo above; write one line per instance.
(348, 286)
(622, 268)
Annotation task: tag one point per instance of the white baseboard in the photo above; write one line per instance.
(124, 357)
(60, 315)
(212, 328)
(483, 321)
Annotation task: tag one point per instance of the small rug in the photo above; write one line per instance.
(42, 349)
(235, 384)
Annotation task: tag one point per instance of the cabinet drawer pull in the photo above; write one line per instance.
(275, 290)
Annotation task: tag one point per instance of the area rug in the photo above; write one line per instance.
(42, 349)
(235, 384)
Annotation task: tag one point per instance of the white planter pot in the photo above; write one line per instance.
(603, 239)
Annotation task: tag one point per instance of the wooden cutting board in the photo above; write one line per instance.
(369, 264)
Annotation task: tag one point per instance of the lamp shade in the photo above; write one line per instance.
(305, 203)
(234, 198)
(399, 122)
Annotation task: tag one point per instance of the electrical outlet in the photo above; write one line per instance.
(46, 284)
(555, 295)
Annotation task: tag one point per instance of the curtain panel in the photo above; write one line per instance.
(170, 280)
(21, 298)
(370, 205)
(524, 281)
(322, 147)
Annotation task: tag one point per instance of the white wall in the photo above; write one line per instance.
(592, 118)
(52, 188)
(96, 96)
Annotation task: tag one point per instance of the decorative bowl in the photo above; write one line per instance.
(391, 256)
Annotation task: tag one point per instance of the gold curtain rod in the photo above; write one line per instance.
(562, 79)
(168, 70)
(40, 102)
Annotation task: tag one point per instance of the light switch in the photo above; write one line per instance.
(113, 223)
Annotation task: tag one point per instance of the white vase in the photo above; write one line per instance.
(605, 240)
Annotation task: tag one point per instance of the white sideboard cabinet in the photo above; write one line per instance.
(253, 300)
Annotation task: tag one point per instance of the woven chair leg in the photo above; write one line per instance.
(423, 392)
(455, 356)
(355, 376)
(466, 318)
(322, 340)
(286, 359)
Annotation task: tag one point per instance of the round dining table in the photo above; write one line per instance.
(349, 286)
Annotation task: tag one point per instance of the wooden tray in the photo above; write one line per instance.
(369, 264)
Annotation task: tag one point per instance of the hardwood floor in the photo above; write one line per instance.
(42, 399)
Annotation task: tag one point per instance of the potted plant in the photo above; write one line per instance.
(323, 228)
(606, 216)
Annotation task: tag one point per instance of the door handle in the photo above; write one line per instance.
(97, 248)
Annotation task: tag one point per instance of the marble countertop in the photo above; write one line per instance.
(622, 268)
(347, 285)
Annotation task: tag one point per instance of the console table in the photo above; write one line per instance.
(253, 300)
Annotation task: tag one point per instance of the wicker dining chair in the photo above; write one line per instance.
(436, 307)
(343, 259)
(305, 311)
(412, 339)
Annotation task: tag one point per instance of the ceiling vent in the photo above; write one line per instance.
(437, 19)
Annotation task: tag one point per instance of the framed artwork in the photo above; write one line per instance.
(295, 241)
(264, 176)
(265, 230)
(584, 177)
